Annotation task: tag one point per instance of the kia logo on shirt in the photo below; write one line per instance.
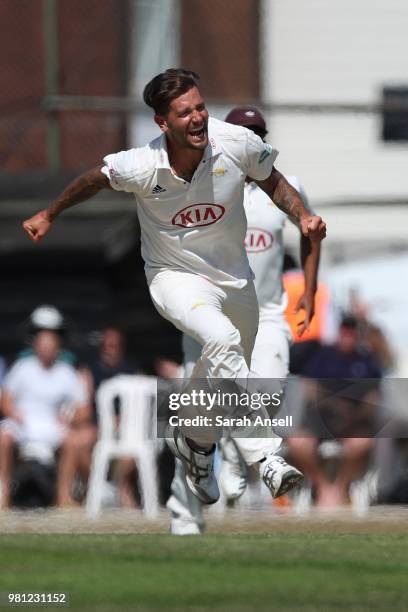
(198, 215)
(257, 240)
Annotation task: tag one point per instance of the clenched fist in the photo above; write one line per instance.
(37, 226)
(313, 227)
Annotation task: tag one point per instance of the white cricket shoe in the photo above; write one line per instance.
(183, 521)
(233, 473)
(199, 468)
(182, 526)
(279, 476)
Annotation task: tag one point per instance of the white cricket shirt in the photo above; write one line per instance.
(196, 227)
(265, 247)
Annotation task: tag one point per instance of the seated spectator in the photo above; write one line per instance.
(371, 335)
(47, 317)
(335, 415)
(344, 359)
(111, 361)
(78, 446)
(45, 406)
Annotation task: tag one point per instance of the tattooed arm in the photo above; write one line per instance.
(309, 257)
(290, 202)
(81, 189)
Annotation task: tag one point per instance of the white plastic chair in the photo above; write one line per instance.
(134, 436)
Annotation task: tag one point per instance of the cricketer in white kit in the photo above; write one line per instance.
(270, 357)
(189, 185)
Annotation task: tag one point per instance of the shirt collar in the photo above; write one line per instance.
(163, 155)
(213, 148)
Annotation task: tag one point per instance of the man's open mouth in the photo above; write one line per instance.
(197, 133)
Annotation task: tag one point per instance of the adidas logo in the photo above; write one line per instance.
(158, 189)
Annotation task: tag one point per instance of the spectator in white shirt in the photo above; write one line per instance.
(43, 403)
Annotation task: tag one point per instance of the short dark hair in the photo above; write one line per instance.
(167, 86)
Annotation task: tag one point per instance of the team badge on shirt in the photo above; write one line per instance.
(265, 153)
(219, 171)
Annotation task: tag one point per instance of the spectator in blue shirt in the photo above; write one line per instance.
(340, 410)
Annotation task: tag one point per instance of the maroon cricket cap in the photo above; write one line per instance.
(248, 116)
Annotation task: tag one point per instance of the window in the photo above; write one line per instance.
(395, 114)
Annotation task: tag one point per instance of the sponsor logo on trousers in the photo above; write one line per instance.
(198, 215)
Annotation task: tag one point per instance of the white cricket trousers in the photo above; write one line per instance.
(270, 359)
(223, 320)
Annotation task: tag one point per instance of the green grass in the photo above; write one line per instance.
(214, 572)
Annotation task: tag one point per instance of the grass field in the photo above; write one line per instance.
(218, 572)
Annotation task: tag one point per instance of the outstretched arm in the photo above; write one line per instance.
(81, 189)
(290, 202)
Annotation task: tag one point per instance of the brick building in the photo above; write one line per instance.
(61, 59)
(54, 50)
